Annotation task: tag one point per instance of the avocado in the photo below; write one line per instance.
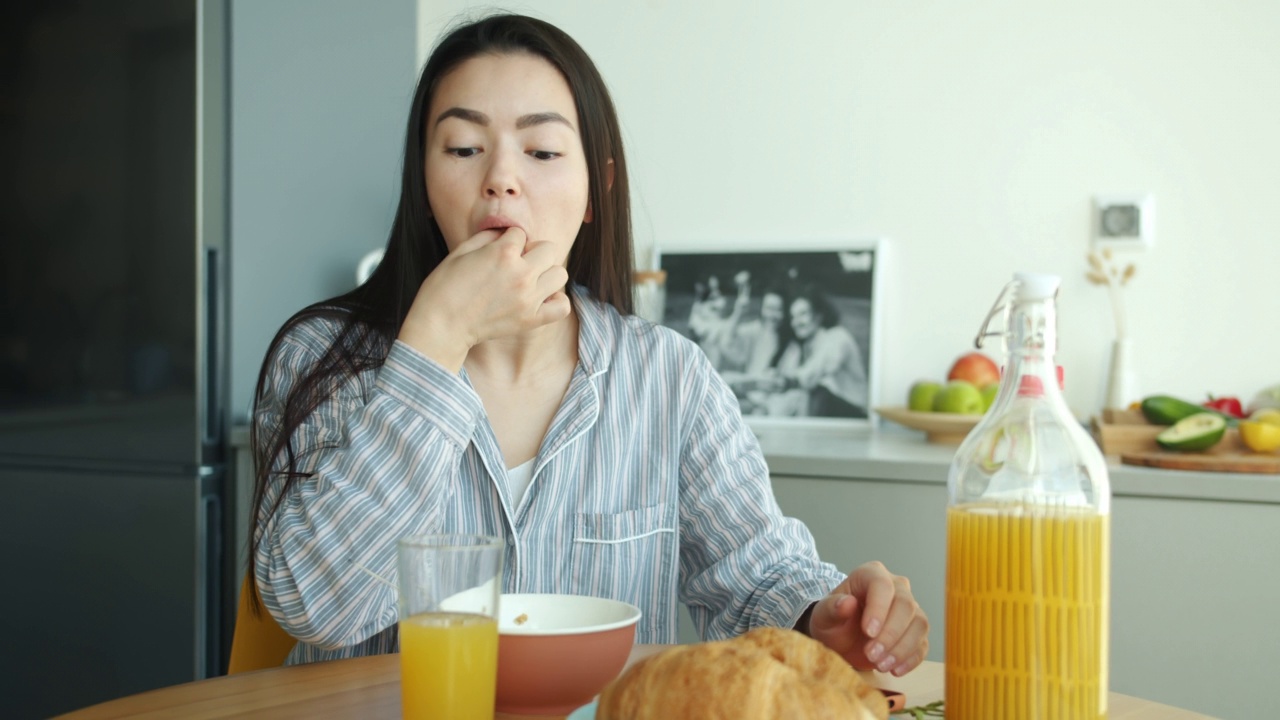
(1167, 410)
(1198, 432)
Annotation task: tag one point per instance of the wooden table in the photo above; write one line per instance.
(368, 688)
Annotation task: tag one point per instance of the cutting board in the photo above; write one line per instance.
(1232, 462)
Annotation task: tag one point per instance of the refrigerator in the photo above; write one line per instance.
(112, 349)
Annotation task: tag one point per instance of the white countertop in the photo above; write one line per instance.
(893, 455)
(904, 456)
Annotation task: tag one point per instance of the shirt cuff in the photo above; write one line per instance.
(423, 385)
(785, 606)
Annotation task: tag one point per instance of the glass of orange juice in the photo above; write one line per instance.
(449, 589)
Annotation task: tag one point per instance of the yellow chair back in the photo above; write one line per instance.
(259, 642)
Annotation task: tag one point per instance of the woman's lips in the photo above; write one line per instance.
(497, 222)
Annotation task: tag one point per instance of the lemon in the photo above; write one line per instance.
(1261, 435)
(1270, 416)
(1198, 432)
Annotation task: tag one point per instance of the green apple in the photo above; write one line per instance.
(922, 395)
(989, 395)
(959, 397)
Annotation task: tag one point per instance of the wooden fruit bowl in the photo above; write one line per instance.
(939, 427)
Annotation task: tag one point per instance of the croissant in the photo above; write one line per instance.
(766, 674)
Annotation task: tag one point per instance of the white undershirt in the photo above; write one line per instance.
(518, 479)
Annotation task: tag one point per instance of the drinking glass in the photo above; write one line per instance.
(449, 588)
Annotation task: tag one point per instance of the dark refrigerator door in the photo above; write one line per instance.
(110, 222)
(107, 590)
(99, 266)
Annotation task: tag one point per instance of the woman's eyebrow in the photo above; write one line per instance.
(471, 116)
(524, 121)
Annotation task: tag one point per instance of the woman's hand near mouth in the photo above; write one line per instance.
(486, 288)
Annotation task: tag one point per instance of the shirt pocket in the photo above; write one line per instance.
(627, 555)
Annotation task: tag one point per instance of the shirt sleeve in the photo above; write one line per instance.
(743, 564)
(375, 466)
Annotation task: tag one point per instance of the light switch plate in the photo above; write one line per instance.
(1124, 222)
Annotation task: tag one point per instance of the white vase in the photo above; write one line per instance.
(1121, 383)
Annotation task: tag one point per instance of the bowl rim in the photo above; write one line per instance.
(633, 616)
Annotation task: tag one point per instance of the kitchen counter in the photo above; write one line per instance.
(894, 455)
(904, 456)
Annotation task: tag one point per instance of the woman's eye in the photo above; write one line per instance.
(544, 154)
(462, 152)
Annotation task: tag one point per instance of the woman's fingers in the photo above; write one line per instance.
(556, 307)
(913, 648)
(832, 614)
(896, 627)
(487, 237)
(905, 637)
(875, 585)
(541, 255)
(551, 281)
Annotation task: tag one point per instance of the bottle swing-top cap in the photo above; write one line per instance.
(1036, 286)
(1024, 287)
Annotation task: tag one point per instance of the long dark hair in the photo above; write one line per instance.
(784, 292)
(819, 304)
(370, 316)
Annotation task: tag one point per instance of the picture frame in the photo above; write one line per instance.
(795, 332)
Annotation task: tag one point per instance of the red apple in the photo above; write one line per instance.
(976, 369)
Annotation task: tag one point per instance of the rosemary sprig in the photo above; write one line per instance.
(920, 712)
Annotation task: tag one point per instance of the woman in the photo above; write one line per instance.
(824, 360)
(490, 378)
(757, 346)
(708, 324)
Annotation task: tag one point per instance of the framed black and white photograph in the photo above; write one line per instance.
(793, 332)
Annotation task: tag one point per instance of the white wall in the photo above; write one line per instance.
(973, 135)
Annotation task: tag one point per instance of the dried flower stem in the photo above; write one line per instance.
(1102, 271)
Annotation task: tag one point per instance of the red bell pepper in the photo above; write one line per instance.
(1226, 404)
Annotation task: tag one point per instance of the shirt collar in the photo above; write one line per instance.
(596, 334)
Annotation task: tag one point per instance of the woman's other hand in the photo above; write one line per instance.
(873, 621)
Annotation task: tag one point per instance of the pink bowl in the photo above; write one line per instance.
(557, 652)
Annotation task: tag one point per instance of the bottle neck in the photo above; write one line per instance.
(1033, 342)
(1029, 450)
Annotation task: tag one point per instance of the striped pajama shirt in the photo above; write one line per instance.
(648, 487)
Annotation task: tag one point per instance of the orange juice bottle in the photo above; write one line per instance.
(1028, 540)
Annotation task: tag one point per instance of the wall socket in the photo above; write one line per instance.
(1124, 221)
